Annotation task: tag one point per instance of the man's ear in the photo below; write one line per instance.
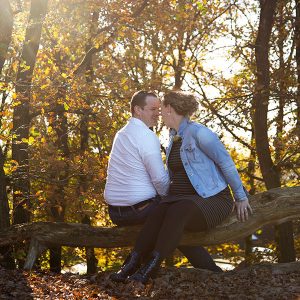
(169, 108)
(137, 110)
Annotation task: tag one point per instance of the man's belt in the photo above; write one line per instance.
(135, 206)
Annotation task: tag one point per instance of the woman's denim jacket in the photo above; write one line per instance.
(206, 161)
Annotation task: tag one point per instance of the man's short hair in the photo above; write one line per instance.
(139, 99)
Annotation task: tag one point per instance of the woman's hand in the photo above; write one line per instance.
(242, 208)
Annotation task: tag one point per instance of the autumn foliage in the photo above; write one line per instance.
(69, 68)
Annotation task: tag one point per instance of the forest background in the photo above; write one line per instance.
(69, 67)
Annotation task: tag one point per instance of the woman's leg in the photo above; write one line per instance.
(176, 217)
(147, 237)
(168, 235)
(187, 215)
(199, 258)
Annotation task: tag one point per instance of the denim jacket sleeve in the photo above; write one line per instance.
(211, 145)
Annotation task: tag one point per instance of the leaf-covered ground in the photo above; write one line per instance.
(257, 282)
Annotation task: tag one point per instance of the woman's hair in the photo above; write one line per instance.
(185, 104)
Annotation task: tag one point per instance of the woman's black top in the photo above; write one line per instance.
(180, 183)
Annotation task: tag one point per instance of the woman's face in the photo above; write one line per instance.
(166, 114)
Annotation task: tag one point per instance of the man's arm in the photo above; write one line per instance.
(154, 165)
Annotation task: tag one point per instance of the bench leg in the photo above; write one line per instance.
(35, 250)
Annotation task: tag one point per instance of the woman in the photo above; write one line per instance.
(199, 197)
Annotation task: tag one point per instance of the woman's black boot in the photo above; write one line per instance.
(148, 270)
(131, 264)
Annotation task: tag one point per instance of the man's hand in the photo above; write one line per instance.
(242, 208)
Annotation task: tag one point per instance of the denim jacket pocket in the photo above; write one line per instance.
(192, 153)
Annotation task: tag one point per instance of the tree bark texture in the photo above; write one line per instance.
(5, 251)
(21, 118)
(283, 232)
(6, 26)
(4, 209)
(60, 125)
(297, 43)
(251, 184)
(262, 93)
(271, 174)
(91, 260)
(273, 206)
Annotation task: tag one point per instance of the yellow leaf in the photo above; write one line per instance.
(31, 140)
(17, 103)
(66, 106)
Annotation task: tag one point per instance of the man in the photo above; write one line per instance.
(136, 177)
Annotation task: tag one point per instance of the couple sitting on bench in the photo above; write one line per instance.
(192, 194)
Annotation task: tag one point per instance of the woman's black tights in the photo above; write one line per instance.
(163, 230)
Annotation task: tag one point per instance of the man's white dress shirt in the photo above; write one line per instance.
(135, 170)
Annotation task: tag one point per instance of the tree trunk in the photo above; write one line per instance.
(261, 99)
(282, 90)
(91, 260)
(297, 42)
(6, 251)
(21, 119)
(283, 232)
(60, 125)
(251, 171)
(262, 92)
(84, 144)
(6, 26)
(4, 209)
(276, 205)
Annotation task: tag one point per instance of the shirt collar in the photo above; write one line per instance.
(182, 127)
(138, 122)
